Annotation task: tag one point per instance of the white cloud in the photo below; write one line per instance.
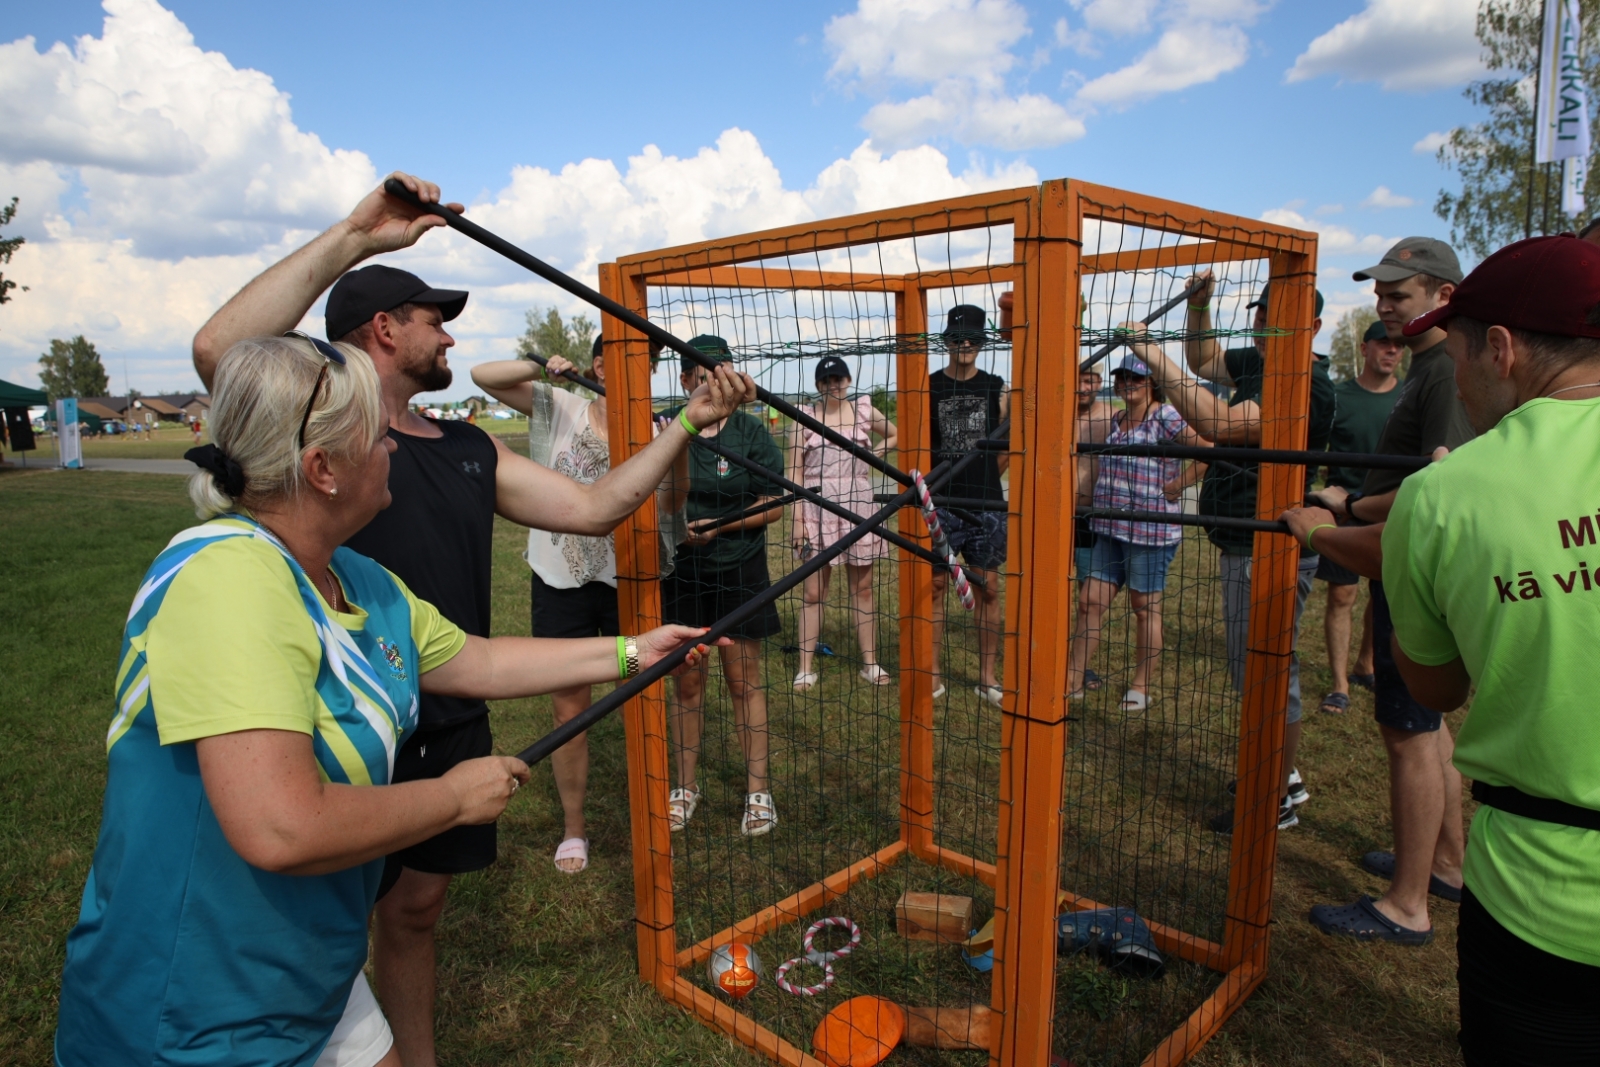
(1185, 55)
(1431, 143)
(1382, 197)
(1412, 45)
(960, 53)
(1117, 17)
(171, 146)
(1332, 239)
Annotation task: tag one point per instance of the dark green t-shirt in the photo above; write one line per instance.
(718, 488)
(1357, 424)
(1230, 488)
(1426, 414)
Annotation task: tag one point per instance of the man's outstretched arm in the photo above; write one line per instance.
(278, 298)
(536, 496)
(1210, 415)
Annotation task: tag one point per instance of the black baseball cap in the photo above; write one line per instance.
(965, 321)
(1261, 301)
(832, 367)
(361, 294)
(1415, 255)
(1376, 332)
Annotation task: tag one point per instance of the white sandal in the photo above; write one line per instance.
(680, 807)
(759, 815)
(876, 674)
(573, 848)
(804, 681)
(1133, 700)
(990, 694)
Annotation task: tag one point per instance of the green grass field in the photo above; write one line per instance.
(537, 967)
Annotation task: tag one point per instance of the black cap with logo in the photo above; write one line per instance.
(965, 322)
(1415, 255)
(832, 367)
(361, 294)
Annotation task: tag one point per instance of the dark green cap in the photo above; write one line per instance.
(709, 344)
(1376, 332)
(1261, 301)
(1415, 255)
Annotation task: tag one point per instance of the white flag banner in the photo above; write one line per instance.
(1573, 172)
(1561, 118)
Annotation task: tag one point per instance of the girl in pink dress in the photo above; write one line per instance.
(844, 480)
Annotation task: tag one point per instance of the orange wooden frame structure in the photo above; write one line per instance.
(1047, 223)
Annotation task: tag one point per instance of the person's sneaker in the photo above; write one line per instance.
(1222, 822)
(1298, 793)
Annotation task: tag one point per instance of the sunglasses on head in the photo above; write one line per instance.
(329, 354)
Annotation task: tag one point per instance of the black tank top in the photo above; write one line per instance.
(437, 536)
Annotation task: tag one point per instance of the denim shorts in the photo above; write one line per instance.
(981, 545)
(1392, 703)
(1083, 550)
(1142, 568)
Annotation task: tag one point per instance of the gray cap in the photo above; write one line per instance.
(1415, 255)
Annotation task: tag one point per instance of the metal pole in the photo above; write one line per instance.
(1533, 144)
(1155, 314)
(604, 303)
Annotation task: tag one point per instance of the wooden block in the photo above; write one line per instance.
(948, 1027)
(933, 917)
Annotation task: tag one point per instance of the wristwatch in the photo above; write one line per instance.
(1348, 501)
(631, 655)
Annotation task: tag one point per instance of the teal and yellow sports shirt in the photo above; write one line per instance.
(184, 953)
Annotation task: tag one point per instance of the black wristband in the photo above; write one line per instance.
(1349, 504)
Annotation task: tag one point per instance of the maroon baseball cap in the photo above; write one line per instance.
(1544, 285)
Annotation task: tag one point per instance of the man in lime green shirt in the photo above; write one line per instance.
(1490, 561)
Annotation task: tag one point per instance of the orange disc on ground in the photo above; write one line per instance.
(861, 1032)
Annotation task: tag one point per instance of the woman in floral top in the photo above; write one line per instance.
(1126, 552)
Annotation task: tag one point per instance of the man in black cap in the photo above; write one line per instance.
(1415, 277)
(965, 405)
(1230, 489)
(448, 481)
(1362, 407)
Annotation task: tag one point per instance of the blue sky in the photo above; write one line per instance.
(141, 157)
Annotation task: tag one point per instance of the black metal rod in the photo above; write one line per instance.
(394, 187)
(1155, 314)
(812, 496)
(801, 492)
(664, 666)
(759, 509)
(571, 376)
(1261, 455)
(970, 502)
(1219, 521)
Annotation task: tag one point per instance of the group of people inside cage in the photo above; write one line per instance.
(300, 755)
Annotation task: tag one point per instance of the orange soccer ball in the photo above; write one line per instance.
(735, 970)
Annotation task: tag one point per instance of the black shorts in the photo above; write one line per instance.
(1334, 574)
(697, 595)
(429, 755)
(1392, 703)
(1520, 1005)
(590, 610)
(981, 545)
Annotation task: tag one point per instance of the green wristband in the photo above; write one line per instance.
(1199, 307)
(622, 658)
(683, 417)
(1313, 532)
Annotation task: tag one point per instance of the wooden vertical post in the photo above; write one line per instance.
(1285, 407)
(639, 607)
(917, 654)
(1039, 602)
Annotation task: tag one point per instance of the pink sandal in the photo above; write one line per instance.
(573, 848)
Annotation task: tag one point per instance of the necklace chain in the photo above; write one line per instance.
(1570, 388)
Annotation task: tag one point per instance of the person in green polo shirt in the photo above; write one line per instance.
(721, 565)
(1488, 562)
(1362, 406)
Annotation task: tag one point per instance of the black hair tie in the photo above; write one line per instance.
(228, 475)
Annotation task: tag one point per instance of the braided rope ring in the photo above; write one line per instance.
(782, 977)
(930, 515)
(822, 957)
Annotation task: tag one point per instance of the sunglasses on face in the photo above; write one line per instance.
(329, 355)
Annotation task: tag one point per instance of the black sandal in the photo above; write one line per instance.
(1364, 922)
(1336, 703)
(1368, 682)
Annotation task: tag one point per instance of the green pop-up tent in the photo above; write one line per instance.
(19, 396)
